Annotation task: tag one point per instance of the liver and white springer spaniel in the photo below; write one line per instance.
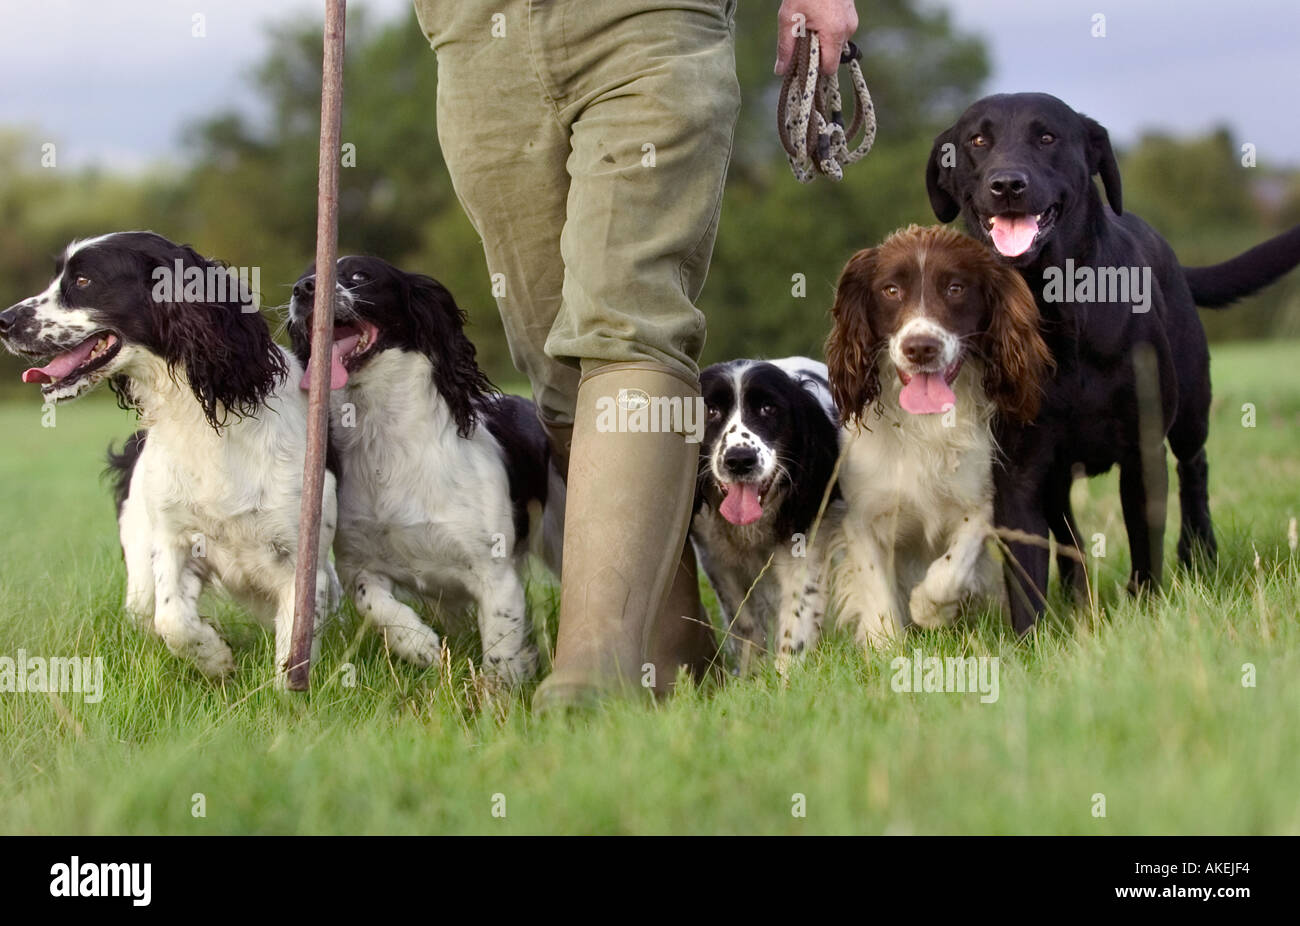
(933, 337)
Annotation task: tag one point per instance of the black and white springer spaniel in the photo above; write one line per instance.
(443, 482)
(769, 450)
(209, 490)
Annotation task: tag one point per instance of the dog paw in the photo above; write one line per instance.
(877, 631)
(786, 660)
(211, 655)
(928, 613)
(420, 646)
(512, 669)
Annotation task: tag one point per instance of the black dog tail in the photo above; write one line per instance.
(122, 465)
(1220, 285)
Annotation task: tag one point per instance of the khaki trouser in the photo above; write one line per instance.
(588, 142)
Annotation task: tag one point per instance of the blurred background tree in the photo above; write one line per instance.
(247, 190)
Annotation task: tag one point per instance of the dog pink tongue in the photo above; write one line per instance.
(61, 365)
(927, 394)
(1013, 235)
(338, 373)
(741, 505)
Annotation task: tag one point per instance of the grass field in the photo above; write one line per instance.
(1140, 702)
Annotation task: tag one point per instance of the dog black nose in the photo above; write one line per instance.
(1009, 183)
(740, 461)
(304, 289)
(7, 319)
(921, 350)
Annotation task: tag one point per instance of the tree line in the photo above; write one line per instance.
(245, 191)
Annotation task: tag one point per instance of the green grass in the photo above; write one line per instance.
(1142, 702)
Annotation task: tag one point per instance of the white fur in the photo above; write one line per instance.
(217, 507)
(919, 490)
(813, 375)
(920, 326)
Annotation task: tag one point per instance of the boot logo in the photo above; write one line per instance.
(633, 399)
(635, 411)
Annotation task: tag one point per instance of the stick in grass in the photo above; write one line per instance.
(322, 332)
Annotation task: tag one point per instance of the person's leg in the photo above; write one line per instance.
(659, 89)
(506, 148)
(653, 98)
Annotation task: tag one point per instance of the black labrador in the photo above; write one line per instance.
(1119, 314)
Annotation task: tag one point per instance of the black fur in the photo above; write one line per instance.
(1220, 285)
(1091, 413)
(121, 466)
(514, 423)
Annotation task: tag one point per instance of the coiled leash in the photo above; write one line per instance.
(810, 118)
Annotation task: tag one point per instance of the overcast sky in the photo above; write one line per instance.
(113, 82)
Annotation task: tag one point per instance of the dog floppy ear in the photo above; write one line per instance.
(222, 346)
(440, 332)
(852, 348)
(938, 174)
(812, 464)
(1101, 160)
(1017, 358)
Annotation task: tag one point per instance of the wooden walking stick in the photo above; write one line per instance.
(322, 335)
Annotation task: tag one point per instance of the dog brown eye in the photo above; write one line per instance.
(956, 289)
(1047, 138)
(891, 291)
(714, 413)
(81, 282)
(767, 411)
(979, 141)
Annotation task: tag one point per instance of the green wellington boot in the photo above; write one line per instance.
(631, 482)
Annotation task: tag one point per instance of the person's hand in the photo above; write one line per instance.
(833, 21)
